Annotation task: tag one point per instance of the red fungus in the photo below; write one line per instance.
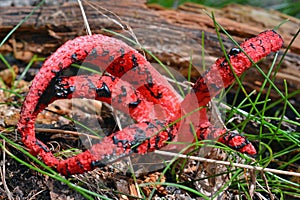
(140, 89)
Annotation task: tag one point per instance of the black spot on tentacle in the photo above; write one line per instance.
(149, 78)
(145, 71)
(92, 86)
(48, 94)
(123, 94)
(93, 53)
(60, 66)
(159, 123)
(116, 141)
(59, 71)
(62, 90)
(74, 57)
(223, 63)
(105, 53)
(122, 52)
(42, 146)
(234, 51)
(263, 48)
(112, 78)
(121, 69)
(159, 95)
(139, 138)
(150, 126)
(201, 86)
(134, 61)
(134, 104)
(134, 82)
(79, 164)
(103, 91)
(149, 144)
(67, 170)
(252, 46)
(170, 135)
(201, 136)
(125, 143)
(111, 58)
(97, 163)
(39, 93)
(157, 140)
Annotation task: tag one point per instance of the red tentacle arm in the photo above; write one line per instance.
(220, 74)
(135, 87)
(119, 59)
